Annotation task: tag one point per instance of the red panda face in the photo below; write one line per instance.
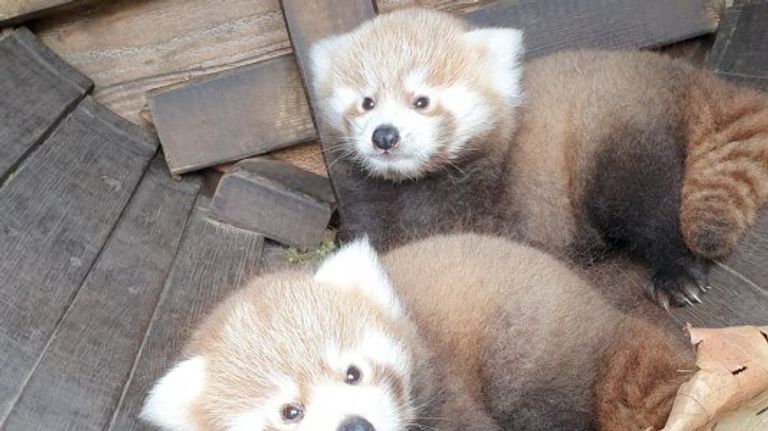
(406, 93)
(294, 353)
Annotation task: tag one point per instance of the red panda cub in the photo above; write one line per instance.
(439, 127)
(441, 334)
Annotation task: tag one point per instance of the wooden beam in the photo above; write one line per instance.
(740, 53)
(309, 22)
(16, 11)
(280, 201)
(236, 115)
(56, 213)
(213, 260)
(553, 25)
(38, 89)
(90, 356)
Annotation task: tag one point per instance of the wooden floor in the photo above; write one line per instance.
(106, 262)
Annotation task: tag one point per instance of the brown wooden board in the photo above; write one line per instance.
(56, 212)
(552, 25)
(214, 259)
(235, 115)
(36, 90)
(740, 53)
(81, 375)
(283, 202)
(15, 11)
(308, 23)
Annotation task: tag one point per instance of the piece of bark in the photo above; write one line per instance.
(276, 199)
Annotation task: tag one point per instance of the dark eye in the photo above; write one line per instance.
(353, 375)
(368, 104)
(421, 102)
(292, 413)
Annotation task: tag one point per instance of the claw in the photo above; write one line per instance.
(690, 294)
(663, 299)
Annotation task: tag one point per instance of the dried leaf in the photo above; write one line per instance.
(732, 369)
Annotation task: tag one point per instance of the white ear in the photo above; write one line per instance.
(504, 51)
(169, 403)
(357, 266)
(322, 54)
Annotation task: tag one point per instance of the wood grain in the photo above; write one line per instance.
(56, 212)
(38, 89)
(740, 53)
(280, 201)
(553, 25)
(241, 113)
(214, 259)
(306, 24)
(16, 11)
(80, 377)
(130, 47)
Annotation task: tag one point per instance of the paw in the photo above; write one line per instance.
(712, 237)
(679, 285)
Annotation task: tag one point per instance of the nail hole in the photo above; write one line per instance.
(738, 371)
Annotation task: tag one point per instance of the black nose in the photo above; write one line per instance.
(385, 137)
(355, 423)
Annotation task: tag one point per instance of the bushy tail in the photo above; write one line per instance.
(640, 377)
(726, 171)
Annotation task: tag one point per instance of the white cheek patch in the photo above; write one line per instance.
(169, 404)
(333, 402)
(471, 111)
(337, 104)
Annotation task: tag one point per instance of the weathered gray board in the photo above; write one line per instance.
(258, 108)
(553, 25)
(740, 53)
(213, 260)
(276, 199)
(232, 116)
(15, 11)
(37, 89)
(80, 377)
(56, 212)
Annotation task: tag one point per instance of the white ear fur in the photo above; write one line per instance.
(504, 49)
(357, 266)
(170, 401)
(322, 53)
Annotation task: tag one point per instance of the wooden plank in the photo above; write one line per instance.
(81, 375)
(732, 301)
(283, 202)
(308, 23)
(553, 25)
(132, 47)
(214, 259)
(16, 11)
(216, 121)
(37, 89)
(55, 214)
(740, 53)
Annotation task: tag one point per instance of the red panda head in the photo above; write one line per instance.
(407, 92)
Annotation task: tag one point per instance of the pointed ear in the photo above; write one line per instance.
(357, 266)
(169, 404)
(321, 56)
(504, 52)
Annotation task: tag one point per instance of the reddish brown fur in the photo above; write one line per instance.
(726, 175)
